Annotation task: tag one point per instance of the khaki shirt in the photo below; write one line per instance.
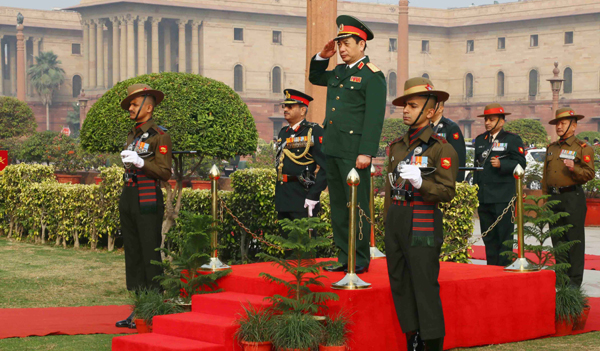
(158, 165)
(556, 174)
(440, 186)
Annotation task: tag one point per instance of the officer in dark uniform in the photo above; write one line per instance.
(498, 152)
(298, 189)
(356, 99)
(147, 160)
(569, 164)
(447, 129)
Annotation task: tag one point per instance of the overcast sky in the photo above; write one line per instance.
(50, 4)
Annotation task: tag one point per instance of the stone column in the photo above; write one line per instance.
(123, 49)
(201, 50)
(182, 66)
(27, 65)
(85, 47)
(130, 47)
(1, 65)
(100, 54)
(92, 61)
(115, 51)
(155, 57)
(167, 44)
(13, 66)
(320, 28)
(195, 53)
(20, 63)
(142, 45)
(36, 53)
(402, 46)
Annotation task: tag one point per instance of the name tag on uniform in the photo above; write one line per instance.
(499, 146)
(443, 135)
(568, 154)
(419, 161)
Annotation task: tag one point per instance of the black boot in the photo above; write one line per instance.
(127, 322)
(414, 342)
(434, 344)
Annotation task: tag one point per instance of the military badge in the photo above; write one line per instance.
(418, 150)
(587, 158)
(456, 136)
(446, 162)
(341, 27)
(567, 154)
(145, 135)
(287, 95)
(521, 150)
(163, 149)
(361, 65)
(356, 79)
(321, 140)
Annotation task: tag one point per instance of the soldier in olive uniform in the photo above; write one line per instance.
(356, 98)
(569, 164)
(498, 152)
(422, 168)
(447, 129)
(298, 190)
(147, 159)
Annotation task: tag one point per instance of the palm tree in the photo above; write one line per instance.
(46, 77)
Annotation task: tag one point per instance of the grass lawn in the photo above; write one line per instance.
(47, 276)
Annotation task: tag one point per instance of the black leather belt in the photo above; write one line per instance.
(289, 178)
(554, 190)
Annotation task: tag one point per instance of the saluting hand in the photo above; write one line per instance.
(495, 162)
(329, 50)
(570, 164)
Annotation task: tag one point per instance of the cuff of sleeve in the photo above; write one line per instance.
(319, 58)
(426, 186)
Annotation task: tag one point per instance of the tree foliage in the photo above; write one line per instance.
(531, 131)
(46, 75)
(392, 128)
(16, 118)
(591, 135)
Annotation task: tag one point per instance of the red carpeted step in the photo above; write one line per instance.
(197, 326)
(226, 303)
(158, 342)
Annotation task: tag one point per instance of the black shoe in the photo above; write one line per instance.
(126, 323)
(341, 268)
(414, 342)
(359, 269)
(434, 344)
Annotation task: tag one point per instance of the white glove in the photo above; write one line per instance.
(132, 157)
(311, 206)
(412, 174)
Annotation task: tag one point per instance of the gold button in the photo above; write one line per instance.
(330, 122)
(351, 87)
(281, 183)
(341, 85)
(333, 109)
(351, 131)
(337, 97)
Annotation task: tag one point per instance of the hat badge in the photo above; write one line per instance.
(572, 113)
(145, 88)
(428, 87)
(287, 94)
(341, 27)
(501, 110)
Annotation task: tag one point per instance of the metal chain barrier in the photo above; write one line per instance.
(362, 213)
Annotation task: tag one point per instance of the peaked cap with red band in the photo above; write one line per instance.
(293, 97)
(135, 90)
(565, 112)
(494, 109)
(420, 86)
(348, 26)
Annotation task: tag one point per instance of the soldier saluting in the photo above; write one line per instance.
(569, 164)
(298, 190)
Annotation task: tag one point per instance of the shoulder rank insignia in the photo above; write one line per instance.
(582, 143)
(361, 65)
(372, 67)
(439, 138)
(396, 140)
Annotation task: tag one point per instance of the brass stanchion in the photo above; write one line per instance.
(351, 281)
(375, 253)
(215, 264)
(521, 264)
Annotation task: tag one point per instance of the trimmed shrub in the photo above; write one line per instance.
(458, 223)
(16, 118)
(531, 131)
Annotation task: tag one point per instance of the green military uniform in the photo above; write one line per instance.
(447, 129)
(565, 185)
(497, 186)
(298, 155)
(414, 228)
(141, 206)
(356, 99)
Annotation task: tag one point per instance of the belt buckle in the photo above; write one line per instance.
(284, 178)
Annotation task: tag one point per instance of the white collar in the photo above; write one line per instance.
(297, 124)
(495, 135)
(357, 61)
(437, 122)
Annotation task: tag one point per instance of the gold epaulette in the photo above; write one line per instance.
(372, 67)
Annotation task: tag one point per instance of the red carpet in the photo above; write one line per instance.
(592, 262)
(593, 322)
(23, 322)
(479, 304)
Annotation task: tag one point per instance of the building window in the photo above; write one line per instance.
(568, 84)
(424, 45)
(501, 43)
(392, 81)
(533, 84)
(533, 40)
(425, 75)
(277, 125)
(277, 37)
(238, 34)
(469, 85)
(568, 37)
(467, 130)
(393, 47)
(238, 78)
(76, 85)
(500, 84)
(276, 80)
(76, 49)
(470, 45)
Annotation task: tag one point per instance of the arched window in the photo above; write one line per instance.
(76, 85)
(238, 78)
(392, 81)
(533, 83)
(276, 80)
(469, 85)
(500, 90)
(425, 75)
(568, 83)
